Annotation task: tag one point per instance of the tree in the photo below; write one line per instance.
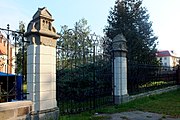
(74, 43)
(21, 50)
(132, 20)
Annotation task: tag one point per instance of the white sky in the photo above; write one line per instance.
(166, 22)
(165, 15)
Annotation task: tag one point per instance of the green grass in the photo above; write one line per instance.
(166, 104)
(84, 117)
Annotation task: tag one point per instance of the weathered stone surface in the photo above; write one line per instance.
(18, 110)
(41, 65)
(120, 69)
(23, 111)
(119, 45)
(49, 114)
(7, 114)
(137, 115)
(40, 30)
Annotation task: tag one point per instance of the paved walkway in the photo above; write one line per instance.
(138, 115)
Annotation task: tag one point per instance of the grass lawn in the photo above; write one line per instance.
(166, 103)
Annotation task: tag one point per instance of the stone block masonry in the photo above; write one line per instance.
(120, 69)
(41, 66)
(19, 110)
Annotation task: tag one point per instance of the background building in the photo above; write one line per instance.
(168, 58)
(7, 56)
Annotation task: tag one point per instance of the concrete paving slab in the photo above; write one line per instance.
(138, 115)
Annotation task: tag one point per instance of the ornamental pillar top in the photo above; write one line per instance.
(119, 43)
(40, 30)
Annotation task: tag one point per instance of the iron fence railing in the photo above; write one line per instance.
(84, 89)
(12, 64)
(143, 77)
(84, 76)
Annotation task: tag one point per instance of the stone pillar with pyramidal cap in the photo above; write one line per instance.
(41, 65)
(120, 69)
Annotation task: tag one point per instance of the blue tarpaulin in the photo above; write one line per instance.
(5, 74)
(12, 78)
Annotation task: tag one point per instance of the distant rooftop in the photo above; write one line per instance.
(166, 53)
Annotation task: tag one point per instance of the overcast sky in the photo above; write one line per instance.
(165, 15)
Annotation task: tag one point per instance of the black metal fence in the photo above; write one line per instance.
(12, 65)
(144, 77)
(84, 76)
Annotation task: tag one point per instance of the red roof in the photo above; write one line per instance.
(164, 53)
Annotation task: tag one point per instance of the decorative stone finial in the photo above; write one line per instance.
(43, 12)
(119, 43)
(41, 26)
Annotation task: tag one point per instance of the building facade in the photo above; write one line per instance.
(7, 56)
(168, 58)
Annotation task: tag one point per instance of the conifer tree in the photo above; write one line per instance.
(131, 19)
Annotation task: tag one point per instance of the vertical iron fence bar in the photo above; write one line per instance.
(72, 88)
(15, 66)
(7, 63)
(23, 69)
(94, 77)
(57, 65)
(75, 64)
(91, 83)
(84, 60)
(113, 86)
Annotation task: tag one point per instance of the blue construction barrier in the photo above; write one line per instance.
(11, 80)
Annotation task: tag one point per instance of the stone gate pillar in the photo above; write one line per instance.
(41, 65)
(120, 69)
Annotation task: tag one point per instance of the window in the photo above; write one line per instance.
(1, 38)
(165, 58)
(4, 43)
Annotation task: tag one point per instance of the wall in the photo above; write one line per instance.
(19, 110)
(170, 61)
(3, 62)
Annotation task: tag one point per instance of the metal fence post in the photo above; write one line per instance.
(178, 75)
